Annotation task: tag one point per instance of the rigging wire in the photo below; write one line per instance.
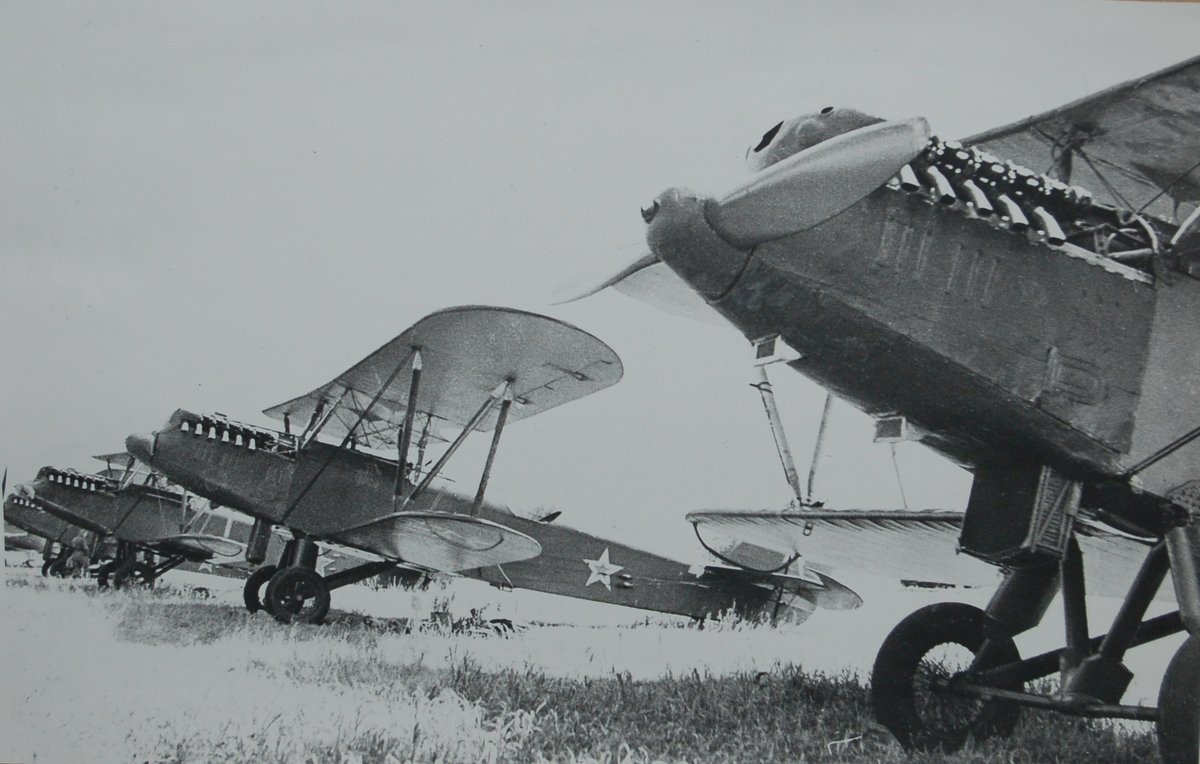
(899, 479)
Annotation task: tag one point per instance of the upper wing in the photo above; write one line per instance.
(440, 541)
(466, 353)
(1132, 145)
(913, 545)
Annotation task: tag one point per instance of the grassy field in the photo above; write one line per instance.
(163, 677)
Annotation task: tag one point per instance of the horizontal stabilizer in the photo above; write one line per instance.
(440, 541)
(819, 589)
(210, 546)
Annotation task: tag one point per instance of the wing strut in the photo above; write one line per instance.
(819, 446)
(319, 418)
(501, 391)
(410, 412)
(781, 445)
(491, 457)
(345, 440)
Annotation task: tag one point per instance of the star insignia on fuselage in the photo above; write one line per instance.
(602, 570)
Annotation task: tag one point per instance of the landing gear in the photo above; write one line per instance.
(923, 656)
(104, 572)
(137, 573)
(253, 590)
(1178, 723)
(297, 595)
(295, 592)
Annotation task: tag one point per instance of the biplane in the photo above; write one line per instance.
(57, 539)
(1025, 302)
(455, 372)
(157, 527)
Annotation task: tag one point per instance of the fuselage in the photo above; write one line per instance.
(321, 490)
(22, 513)
(997, 347)
(135, 513)
(146, 516)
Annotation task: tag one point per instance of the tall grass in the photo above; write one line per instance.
(163, 678)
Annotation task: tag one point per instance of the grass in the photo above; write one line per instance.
(166, 678)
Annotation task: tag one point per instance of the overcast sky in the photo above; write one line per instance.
(220, 206)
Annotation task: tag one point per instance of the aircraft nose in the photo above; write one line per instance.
(141, 446)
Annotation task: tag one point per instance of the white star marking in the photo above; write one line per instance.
(602, 570)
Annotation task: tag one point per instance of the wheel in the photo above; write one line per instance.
(58, 568)
(46, 567)
(104, 572)
(298, 595)
(939, 642)
(252, 591)
(135, 574)
(1178, 724)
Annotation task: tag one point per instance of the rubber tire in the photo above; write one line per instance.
(57, 567)
(892, 694)
(286, 584)
(46, 567)
(1178, 724)
(253, 590)
(139, 574)
(104, 572)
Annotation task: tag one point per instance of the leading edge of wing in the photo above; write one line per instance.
(1100, 95)
(1133, 143)
(466, 352)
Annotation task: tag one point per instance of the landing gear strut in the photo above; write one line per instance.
(930, 703)
(295, 592)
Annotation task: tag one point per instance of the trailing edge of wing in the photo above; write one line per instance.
(465, 352)
(1127, 145)
(440, 541)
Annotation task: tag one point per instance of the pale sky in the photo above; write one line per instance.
(220, 206)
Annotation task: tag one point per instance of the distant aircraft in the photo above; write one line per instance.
(20, 512)
(455, 372)
(1040, 335)
(155, 525)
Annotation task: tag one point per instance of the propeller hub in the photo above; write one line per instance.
(648, 213)
(682, 236)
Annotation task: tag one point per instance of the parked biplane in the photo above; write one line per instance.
(58, 538)
(1041, 335)
(157, 527)
(455, 372)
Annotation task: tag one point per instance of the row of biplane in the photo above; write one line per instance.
(1036, 326)
(318, 516)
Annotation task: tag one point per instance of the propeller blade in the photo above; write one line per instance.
(597, 278)
(4, 484)
(813, 185)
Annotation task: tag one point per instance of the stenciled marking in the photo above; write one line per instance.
(906, 247)
(602, 570)
(1073, 378)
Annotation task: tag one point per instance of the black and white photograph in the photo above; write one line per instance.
(394, 382)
